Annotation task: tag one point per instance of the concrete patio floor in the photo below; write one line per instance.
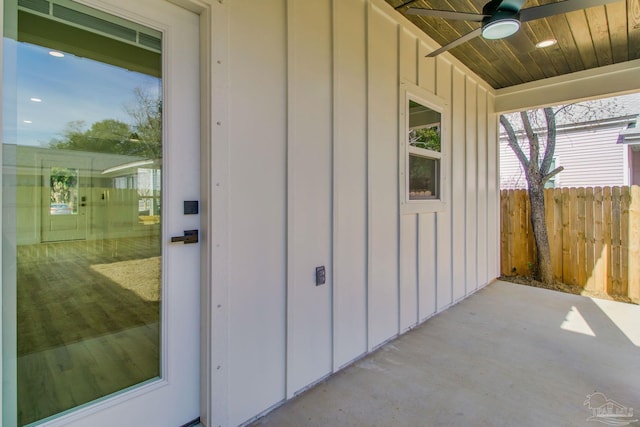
(510, 355)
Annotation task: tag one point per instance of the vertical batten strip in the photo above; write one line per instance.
(417, 52)
(370, 345)
(332, 185)
(289, 191)
(427, 70)
(417, 269)
(442, 229)
(383, 176)
(458, 179)
(310, 192)
(471, 185)
(215, 208)
(399, 217)
(481, 192)
(493, 188)
(350, 210)
(335, 191)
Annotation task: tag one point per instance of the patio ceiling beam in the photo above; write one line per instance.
(617, 79)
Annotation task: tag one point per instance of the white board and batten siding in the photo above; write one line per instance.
(312, 166)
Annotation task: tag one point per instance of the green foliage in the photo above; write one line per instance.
(427, 138)
(63, 182)
(106, 136)
(143, 138)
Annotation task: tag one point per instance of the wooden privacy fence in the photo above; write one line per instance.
(594, 236)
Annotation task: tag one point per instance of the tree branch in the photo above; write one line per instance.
(553, 173)
(551, 140)
(561, 109)
(534, 144)
(513, 142)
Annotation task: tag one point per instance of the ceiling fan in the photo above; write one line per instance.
(502, 18)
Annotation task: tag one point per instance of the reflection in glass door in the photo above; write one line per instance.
(82, 207)
(64, 202)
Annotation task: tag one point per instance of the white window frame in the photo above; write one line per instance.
(411, 92)
(555, 162)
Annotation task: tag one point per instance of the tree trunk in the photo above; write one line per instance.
(536, 198)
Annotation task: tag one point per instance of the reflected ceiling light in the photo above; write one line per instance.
(27, 121)
(128, 166)
(56, 54)
(500, 28)
(35, 99)
(546, 43)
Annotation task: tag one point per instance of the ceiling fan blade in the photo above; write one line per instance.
(446, 14)
(466, 37)
(511, 5)
(566, 6)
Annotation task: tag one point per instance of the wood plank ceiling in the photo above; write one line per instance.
(587, 38)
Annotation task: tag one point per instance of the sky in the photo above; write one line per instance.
(69, 89)
(599, 109)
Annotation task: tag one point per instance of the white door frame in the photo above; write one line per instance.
(214, 172)
(214, 72)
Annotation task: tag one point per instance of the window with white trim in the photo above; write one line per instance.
(423, 150)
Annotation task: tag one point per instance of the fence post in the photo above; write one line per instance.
(616, 229)
(599, 270)
(521, 228)
(566, 236)
(625, 200)
(552, 216)
(581, 244)
(634, 245)
(606, 227)
(589, 238)
(505, 237)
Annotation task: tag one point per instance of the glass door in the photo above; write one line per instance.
(100, 311)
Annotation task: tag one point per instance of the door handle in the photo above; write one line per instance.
(190, 236)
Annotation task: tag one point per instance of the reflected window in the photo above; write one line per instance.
(63, 191)
(424, 151)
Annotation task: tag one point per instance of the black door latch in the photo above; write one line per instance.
(190, 236)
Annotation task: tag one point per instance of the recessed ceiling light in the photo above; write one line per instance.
(27, 121)
(546, 43)
(56, 54)
(35, 99)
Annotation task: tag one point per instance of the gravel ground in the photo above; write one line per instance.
(563, 287)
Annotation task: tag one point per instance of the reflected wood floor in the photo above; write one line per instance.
(87, 321)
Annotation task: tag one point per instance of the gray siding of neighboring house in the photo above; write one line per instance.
(591, 157)
(635, 171)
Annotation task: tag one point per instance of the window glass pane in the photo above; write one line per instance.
(82, 248)
(424, 127)
(423, 178)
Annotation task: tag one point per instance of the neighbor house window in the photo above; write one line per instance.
(422, 150)
(551, 183)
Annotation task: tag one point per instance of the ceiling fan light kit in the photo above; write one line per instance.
(502, 18)
(500, 29)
